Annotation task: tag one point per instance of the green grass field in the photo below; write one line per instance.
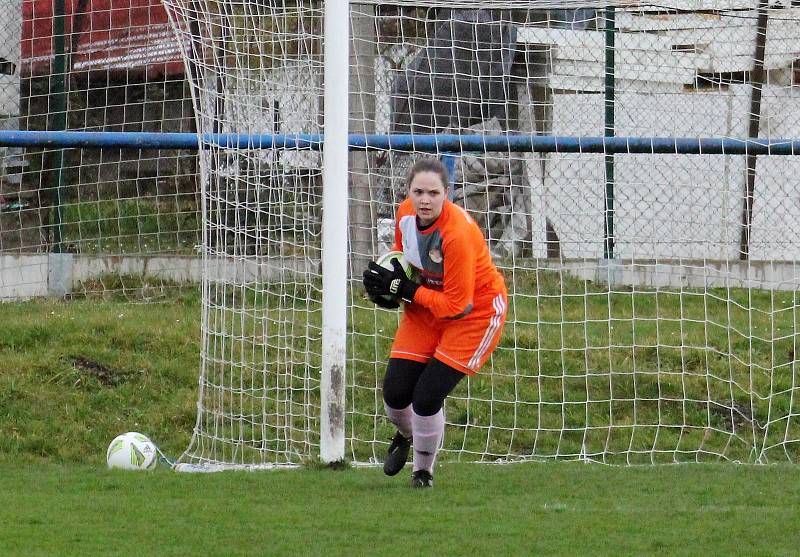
(132, 226)
(525, 509)
(73, 374)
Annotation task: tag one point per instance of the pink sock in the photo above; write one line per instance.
(400, 418)
(428, 433)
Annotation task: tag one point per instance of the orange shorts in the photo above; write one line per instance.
(464, 344)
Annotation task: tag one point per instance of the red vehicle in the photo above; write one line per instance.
(132, 37)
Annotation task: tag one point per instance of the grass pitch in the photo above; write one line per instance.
(525, 509)
(75, 374)
(629, 375)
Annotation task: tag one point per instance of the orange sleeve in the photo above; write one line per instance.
(455, 300)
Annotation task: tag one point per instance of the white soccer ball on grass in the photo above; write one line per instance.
(132, 451)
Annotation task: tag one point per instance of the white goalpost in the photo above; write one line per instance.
(650, 248)
(334, 232)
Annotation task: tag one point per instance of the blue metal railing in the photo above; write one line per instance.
(418, 142)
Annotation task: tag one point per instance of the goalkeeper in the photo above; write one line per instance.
(452, 319)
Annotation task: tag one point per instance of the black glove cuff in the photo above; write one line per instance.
(408, 290)
(385, 304)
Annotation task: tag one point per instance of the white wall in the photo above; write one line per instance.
(297, 89)
(675, 206)
(671, 206)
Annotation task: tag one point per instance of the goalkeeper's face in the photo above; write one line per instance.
(427, 194)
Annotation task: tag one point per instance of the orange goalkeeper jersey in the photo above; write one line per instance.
(452, 258)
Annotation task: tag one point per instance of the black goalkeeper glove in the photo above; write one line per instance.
(383, 282)
(385, 303)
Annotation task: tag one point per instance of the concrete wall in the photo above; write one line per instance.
(674, 206)
(25, 276)
(56, 275)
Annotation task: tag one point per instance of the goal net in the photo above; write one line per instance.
(653, 296)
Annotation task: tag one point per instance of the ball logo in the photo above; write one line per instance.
(435, 255)
(137, 457)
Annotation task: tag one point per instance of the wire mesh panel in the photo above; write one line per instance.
(653, 296)
(110, 222)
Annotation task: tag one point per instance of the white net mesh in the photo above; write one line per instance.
(653, 308)
(74, 222)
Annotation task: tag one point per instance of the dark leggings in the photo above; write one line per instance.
(425, 386)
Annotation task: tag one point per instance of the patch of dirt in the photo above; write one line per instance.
(105, 375)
